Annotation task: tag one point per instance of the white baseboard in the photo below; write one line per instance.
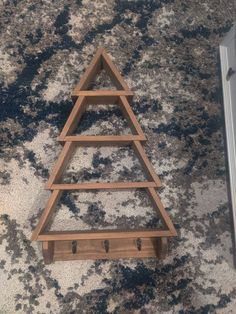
(230, 113)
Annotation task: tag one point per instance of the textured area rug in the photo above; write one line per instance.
(167, 52)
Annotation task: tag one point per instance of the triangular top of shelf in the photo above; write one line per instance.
(101, 61)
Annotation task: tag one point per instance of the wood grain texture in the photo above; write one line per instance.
(74, 118)
(147, 166)
(114, 74)
(102, 185)
(100, 61)
(103, 234)
(154, 197)
(61, 164)
(128, 113)
(162, 247)
(94, 249)
(47, 213)
(104, 92)
(103, 244)
(104, 139)
(92, 70)
(48, 251)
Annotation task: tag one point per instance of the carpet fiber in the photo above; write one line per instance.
(167, 52)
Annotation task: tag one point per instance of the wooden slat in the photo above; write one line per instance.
(114, 74)
(102, 234)
(102, 185)
(61, 164)
(162, 247)
(103, 139)
(47, 213)
(74, 118)
(92, 70)
(150, 171)
(94, 249)
(128, 112)
(104, 92)
(161, 210)
(48, 251)
(96, 99)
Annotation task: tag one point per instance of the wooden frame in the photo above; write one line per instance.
(65, 156)
(101, 61)
(79, 108)
(66, 245)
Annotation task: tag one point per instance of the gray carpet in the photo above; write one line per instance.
(167, 52)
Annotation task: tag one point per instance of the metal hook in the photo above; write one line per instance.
(74, 247)
(106, 245)
(139, 244)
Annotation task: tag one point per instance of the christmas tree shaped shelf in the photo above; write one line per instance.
(102, 244)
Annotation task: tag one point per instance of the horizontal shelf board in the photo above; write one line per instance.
(102, 185)
(103, 138)
(103, 92)
(102, 234)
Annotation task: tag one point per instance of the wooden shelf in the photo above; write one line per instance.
(102, 244)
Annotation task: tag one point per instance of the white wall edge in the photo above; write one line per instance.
(229, 124)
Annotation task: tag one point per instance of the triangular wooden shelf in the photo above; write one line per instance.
(70, 245)
(101, 61)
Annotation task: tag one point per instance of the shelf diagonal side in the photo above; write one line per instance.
(92, 70)
(103, 234)
(101, 61)
(113, 72)
(79, 108)
(61, 163)
(156, 201)
(47, 213)
(74, 118)
(146, 164)
(128, 112)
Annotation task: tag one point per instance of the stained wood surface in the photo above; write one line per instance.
(93, 244)
(48, 251)
(104, 92)
(128, 112)
(99, 140)
(103, 234)
(154, 197)
(74, 118)
(114, 74)
(92, 70)
(61, 164)
(100, 61)
(102, 185)
(94, 249)
(47, 213)
(147, 166)
(162, 247)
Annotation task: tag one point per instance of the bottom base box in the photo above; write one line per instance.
(104, 249)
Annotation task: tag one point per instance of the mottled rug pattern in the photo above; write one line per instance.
(167, 51)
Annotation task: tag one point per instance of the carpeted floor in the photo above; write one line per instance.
(167, 51)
